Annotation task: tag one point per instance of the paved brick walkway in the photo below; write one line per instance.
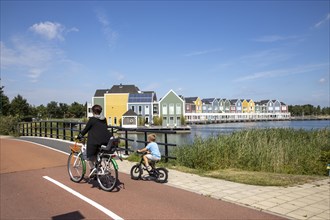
(308, 201)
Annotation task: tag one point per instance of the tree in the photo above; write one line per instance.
(4, 103)
(41, 111)
(77, 110)
(19, 107)
(53, 110)
(64, 108)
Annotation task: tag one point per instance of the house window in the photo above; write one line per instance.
(140, 110)
(133, 109)
(171, 109)
(178, 109)
(115, 121)
(146, 110)
(164, 109)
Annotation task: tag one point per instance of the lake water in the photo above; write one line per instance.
(227, 128)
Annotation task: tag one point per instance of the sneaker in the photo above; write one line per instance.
(148, 168)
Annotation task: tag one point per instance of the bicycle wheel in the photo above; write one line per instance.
(107, 174)
(76, 167)
(161, 175)
(136, 172)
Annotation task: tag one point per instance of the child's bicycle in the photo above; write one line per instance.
(159, 174)
(105, 168)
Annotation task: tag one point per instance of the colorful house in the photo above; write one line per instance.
(224, 105)
(143, 105)
(235, 106)
(277, 106)
(193, 105)
(210, 105)
(248, 106)
(171, 109)
(264, 104)
(284, 108)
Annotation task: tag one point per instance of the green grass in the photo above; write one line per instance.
(278, 157)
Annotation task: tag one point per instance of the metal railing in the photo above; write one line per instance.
(68, 130)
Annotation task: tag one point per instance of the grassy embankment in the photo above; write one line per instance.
(278, 157)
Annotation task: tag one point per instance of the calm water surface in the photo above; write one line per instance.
(227, 128)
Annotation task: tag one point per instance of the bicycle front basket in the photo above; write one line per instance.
(75, 148)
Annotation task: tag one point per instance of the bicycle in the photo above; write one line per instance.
(105, 168)
(159, 174)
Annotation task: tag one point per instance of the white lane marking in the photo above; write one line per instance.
(84, 198)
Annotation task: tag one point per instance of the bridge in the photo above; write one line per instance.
(35, 185)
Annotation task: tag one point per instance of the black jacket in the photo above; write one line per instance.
(98, 134)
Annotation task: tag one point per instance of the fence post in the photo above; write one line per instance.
(35, 129)
(145, 139)
(71, 132)
(45, 128)
(166, 149)
(57, 136)
(31, 129)
(51, 129)
(126, 142)
(40, 129)
(64, 135)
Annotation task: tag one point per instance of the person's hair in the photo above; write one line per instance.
(96, 109)
(152, 137)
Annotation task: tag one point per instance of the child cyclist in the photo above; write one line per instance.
(152, 151)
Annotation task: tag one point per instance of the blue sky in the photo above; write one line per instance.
(64, 51)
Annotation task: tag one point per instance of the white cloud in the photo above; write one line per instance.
(110, 35)
(322, 80)
(320, 23)
(32, 60)
(49, 30)
(282, 72)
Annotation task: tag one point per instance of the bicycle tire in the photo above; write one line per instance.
(162, 175)
(76, 167)
(107, 174)
(136, 172)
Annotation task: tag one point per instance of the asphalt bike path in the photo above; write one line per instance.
(35, 185)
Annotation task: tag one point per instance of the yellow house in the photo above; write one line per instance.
(116, 102)
(199, 105)
(115, 106)
(248, 106)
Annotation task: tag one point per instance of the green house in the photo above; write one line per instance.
(171, 109)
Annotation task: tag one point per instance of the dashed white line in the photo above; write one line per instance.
(84, 198)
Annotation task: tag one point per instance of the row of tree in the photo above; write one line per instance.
(19, 107)
(307, 110)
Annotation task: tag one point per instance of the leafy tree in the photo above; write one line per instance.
(19, 107)
(41, 111)
(77, 110)
(64, 108)
(4, 103)
(53, 110)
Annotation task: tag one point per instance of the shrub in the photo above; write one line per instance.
(270, 150)
(8, 125)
